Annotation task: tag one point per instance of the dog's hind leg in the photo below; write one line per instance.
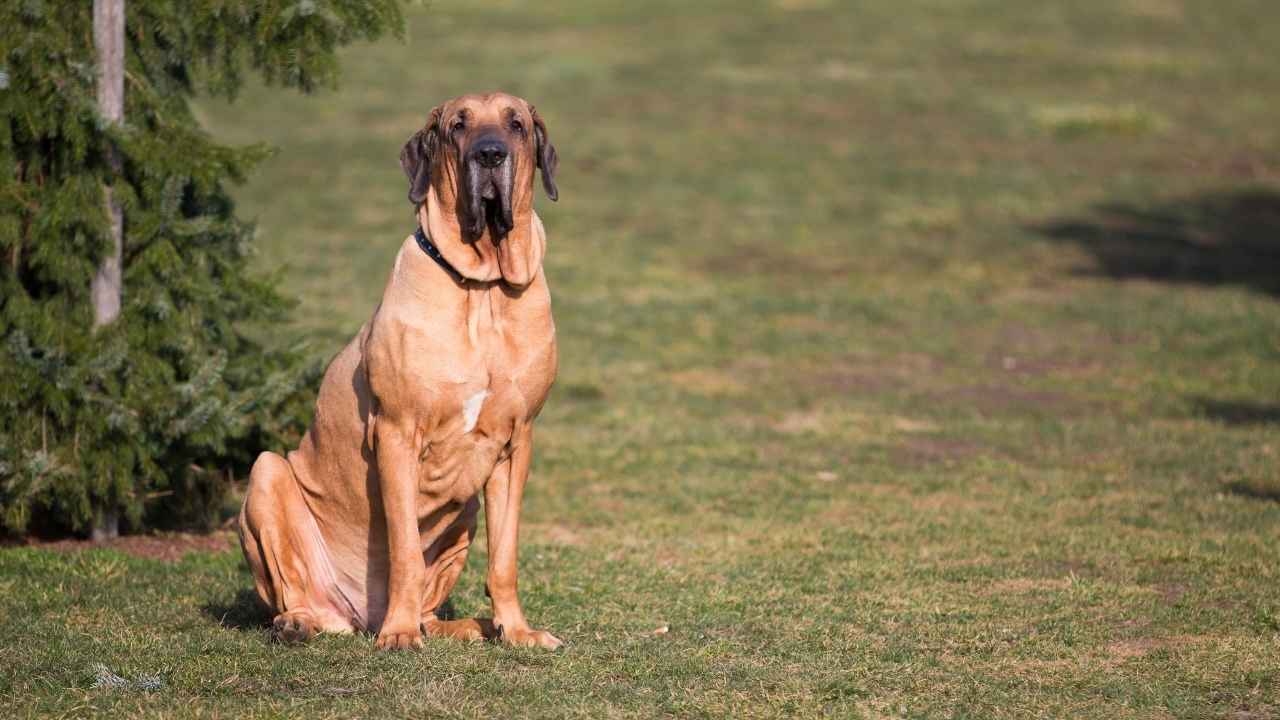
(274, 524)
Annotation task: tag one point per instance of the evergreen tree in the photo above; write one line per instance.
(145, 415)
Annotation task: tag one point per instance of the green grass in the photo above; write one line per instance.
(919, 359)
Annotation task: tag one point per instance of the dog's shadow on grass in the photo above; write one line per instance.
(1217, 238)
(245, 613)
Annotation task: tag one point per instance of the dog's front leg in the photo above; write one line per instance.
(502, 496)
(407, 572)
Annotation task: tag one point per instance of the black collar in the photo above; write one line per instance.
(433, 252)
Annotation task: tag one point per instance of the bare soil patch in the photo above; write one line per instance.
(846, 374)
(1001, 399)
(169, 547)
(1019, 363)
(921, 451)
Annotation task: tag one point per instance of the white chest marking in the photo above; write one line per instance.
(471, 410)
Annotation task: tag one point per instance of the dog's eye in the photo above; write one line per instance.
(517, 125)
(458, 125)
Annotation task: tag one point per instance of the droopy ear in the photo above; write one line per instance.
(416, 157)
(548, 161)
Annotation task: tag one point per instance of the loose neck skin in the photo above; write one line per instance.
(476, 260)
(488, 294)
(515, 259)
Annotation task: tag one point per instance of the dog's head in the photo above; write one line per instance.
(479, 152)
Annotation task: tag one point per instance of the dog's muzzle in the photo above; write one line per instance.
(489, 180)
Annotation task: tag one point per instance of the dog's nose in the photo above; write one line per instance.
(490, 153)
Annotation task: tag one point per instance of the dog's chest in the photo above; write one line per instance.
(475, 430)
(468, 372)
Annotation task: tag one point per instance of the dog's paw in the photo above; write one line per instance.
(528, 637)
(293, 627)
(399, 639)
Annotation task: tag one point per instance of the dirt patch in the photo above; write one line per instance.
(998, 399)
(1122, 650)
(1129, 649)
(1171, 593)
(1018, 363)
(1020, 349)
(169, 547)
(844, 374)
(845, 380)
(870, 374)
(921, 451)
(1262, 712)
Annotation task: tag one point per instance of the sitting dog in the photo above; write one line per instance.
(366, 525)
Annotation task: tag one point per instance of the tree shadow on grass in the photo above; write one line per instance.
(1222, 238)
(245, 612)
(1255, 490)
(1239, 413)
(1243, 413)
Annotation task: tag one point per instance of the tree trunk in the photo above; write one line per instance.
(107, 287)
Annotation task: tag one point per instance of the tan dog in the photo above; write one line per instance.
(366, 525)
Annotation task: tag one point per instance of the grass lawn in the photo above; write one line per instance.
(918, 359)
